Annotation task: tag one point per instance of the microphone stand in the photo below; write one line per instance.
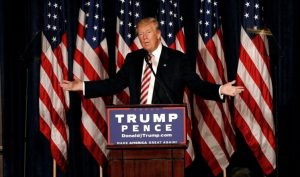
(162, 84)
(23, 58)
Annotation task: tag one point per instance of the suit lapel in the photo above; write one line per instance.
(161, 69)
(163, 61)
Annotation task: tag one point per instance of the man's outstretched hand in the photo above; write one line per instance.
(231, 90)
(76, 85)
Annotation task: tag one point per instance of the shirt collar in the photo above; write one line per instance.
(157, 51)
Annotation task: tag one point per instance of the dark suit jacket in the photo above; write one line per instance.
(174, 71)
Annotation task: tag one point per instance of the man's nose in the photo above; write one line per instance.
(145, 36)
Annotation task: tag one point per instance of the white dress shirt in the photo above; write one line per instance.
(154, 61)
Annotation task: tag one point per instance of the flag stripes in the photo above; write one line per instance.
(91, 62)
(253, 108)
(214, 127)
(53, 101)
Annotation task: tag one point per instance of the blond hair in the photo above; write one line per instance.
(147, 21)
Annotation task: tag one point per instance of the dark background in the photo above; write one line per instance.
(26, 151)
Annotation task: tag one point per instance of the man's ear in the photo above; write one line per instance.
(158, 34)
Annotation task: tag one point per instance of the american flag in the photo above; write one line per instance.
(91, 62)
(215, 132)
(171, 26)
(53, 101)
(253, 107)
(129, 13)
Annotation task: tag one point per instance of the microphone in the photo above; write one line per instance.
(161, 83)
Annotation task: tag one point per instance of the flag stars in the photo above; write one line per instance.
(53, 39)
(55, 5)
(49, 3)
(170, 23)
(94, 38)
(162, 23)
(122, 1)
(215, 3)
(256, 6)
(208, 12)
(97, 5)
(256, 17)
(246, 15)
(163, 11)
(128, 35)
(96, 16)
(130, 13)
(95, 28)
(137, 15)
(54, 28)
(103, 30)
(171, 13)
(54, 16)
(247, 4)
(137, 4)
(121, 11)
(170, 35)
(206, 23)
(121, 23)
(88, 3)
(201, 11)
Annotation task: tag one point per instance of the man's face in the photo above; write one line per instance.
(149, 36)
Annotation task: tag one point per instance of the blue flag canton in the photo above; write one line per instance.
(170, 20)
(129, 15)
(252, 14)
(210, 19)
(94, 22)
(54, 22)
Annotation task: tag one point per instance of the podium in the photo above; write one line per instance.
(145, 155)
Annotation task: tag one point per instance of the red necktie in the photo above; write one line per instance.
(146, 81)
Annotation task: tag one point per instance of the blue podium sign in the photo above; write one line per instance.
(147, 125)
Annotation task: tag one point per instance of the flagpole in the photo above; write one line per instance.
(54, 168)
(224, 172)
(100, 171)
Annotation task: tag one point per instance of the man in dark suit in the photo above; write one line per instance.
(172, 68)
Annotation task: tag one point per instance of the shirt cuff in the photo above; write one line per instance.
(83, 88)
(221, 95)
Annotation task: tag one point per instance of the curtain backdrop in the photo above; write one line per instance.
(26, 151)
